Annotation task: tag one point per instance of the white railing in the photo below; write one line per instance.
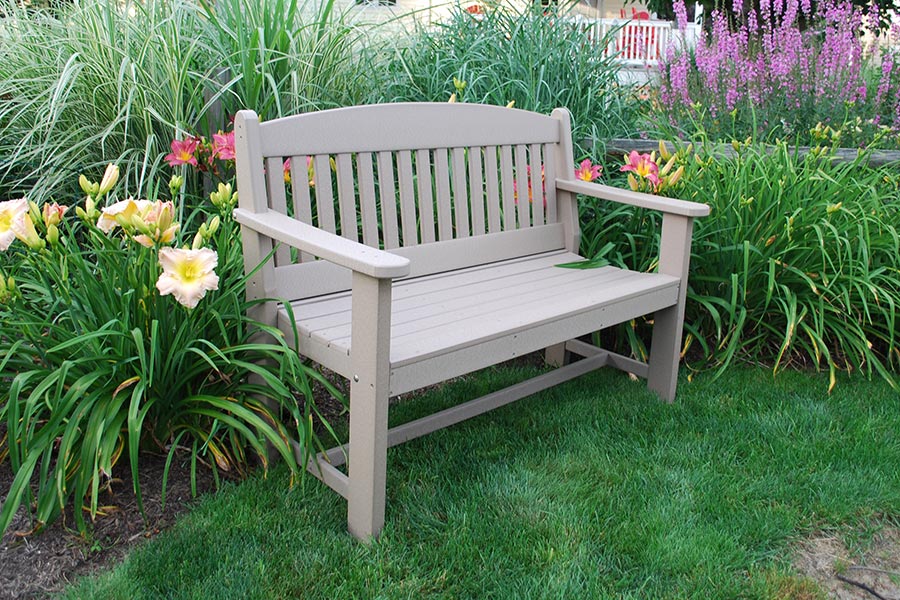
(637, 42)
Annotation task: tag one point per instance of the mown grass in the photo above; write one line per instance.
(591, 490)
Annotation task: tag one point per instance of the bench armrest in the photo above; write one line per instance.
(333, 248)
(666, 205)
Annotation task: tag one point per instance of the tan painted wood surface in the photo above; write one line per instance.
(429, 245)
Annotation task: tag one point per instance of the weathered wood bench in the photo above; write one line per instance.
(441, 260)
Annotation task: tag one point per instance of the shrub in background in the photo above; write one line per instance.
(122, 331)
(540, 61)
(797, 264)
(95, 81)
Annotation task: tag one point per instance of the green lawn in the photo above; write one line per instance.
(591, 490)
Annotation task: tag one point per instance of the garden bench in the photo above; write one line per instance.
(422, 244)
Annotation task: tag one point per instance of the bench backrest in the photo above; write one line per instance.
(446, 185)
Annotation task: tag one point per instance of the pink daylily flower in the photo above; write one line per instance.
(642, 165)
(587, 171)
(184, 152)
(223, 146)
(53, 213)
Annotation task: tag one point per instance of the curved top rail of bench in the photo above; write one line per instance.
(401, 126)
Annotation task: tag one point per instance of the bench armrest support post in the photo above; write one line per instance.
(370, 332)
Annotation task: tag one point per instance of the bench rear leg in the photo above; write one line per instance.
(555, 355)
(369, 389)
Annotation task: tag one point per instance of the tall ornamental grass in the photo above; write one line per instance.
(779, 70)
(798, 263)
(537, 59)
(123, 328)
(94, 81)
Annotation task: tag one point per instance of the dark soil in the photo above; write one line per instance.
(34, 565)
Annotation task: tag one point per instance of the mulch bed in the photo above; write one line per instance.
(36, 565)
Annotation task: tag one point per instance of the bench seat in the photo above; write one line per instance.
(503, 309)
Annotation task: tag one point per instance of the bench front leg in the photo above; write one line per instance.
(665, 344)
(369, 388)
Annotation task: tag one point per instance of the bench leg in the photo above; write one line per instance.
(367, 461)
(555, 355)
(370, 363)
(665, 351)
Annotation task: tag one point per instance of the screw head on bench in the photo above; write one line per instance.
(356, 378)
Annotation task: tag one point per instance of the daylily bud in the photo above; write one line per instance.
(34, 212)
(452, 99)
(459, 84)
(26, 232)
(175, 184)
(510, 104)
(736, 145)
(79, 212)
(676, 176)
(136, 221)
(667, 167)
(664, 151)
(198, 241)
(86, 186)
(632, 182)
(52, 235)
(11, 284)
(110, 177)
(214, 225)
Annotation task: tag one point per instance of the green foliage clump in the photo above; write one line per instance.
(95, 81)
(537, 60)
(798, 262)
(98, 361)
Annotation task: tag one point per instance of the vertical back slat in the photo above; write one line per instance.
(300, 189)
(476, 191)
(537, 186)
(407, 198)
(277, 201)
(442, 186)
(523, 184)
(324, 193)
(550, 176)
(388, 195)
(493, 188)
(367, 204)
(426, 200)
(347, 197)
(507, 188)
(300, 195)
(460, 195)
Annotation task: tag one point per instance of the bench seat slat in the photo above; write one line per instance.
(429, 323)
